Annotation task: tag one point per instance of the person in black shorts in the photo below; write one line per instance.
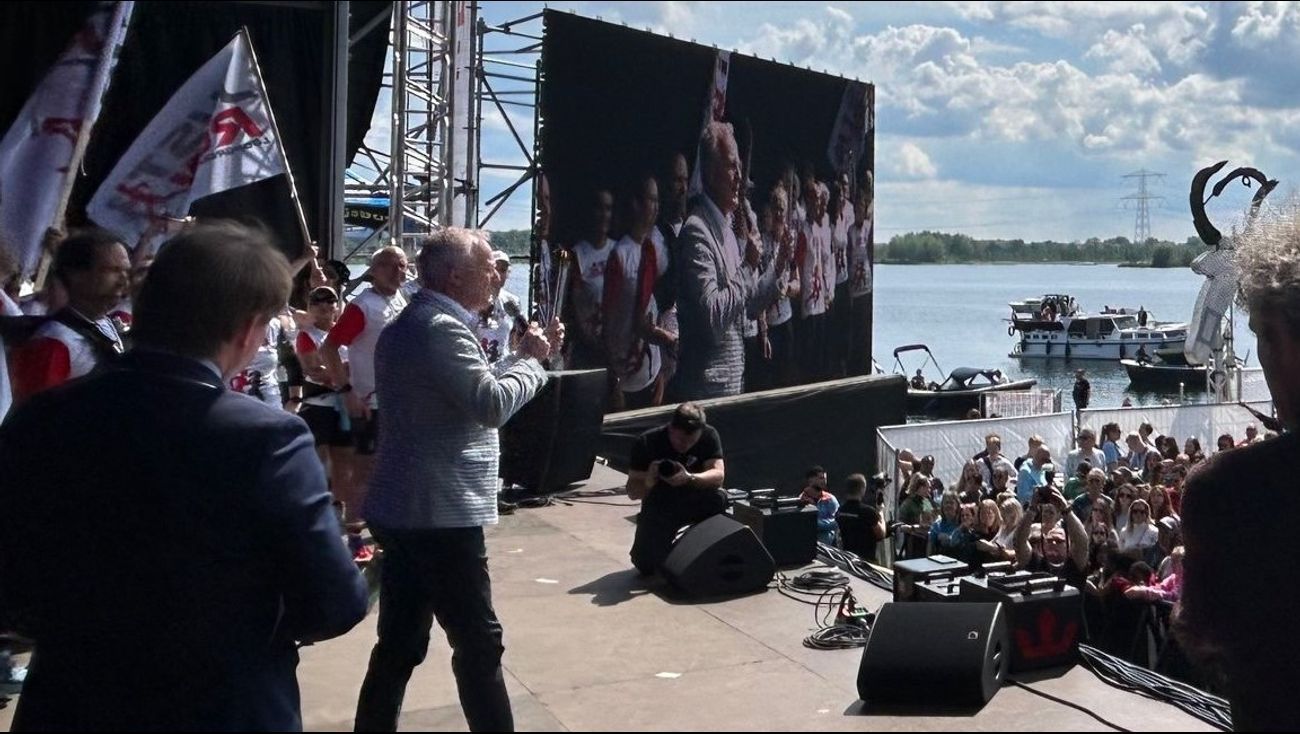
(677, 472)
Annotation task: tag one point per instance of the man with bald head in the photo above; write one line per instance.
(717, 289)
(358, 329)
(435, 480)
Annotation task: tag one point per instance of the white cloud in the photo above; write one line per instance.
(839, 14)
(930, 82)
(1176, 32)
(910, 161)
(1266, 21)
(1126, 51)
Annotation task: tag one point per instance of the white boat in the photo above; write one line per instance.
(1112, 335)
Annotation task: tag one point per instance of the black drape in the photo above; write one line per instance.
(169, 41)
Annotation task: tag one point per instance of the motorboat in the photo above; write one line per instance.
(958, 392)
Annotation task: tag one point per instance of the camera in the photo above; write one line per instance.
(669, 468)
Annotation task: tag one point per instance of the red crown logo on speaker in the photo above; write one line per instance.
(1051, 641)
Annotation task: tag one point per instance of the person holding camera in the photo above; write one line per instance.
(1063, 551)
(860, 522)
(677, 472)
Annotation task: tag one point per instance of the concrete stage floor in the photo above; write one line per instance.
(592, 647)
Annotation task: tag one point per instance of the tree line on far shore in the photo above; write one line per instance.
(942, 247)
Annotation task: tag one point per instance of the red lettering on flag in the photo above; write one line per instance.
(228, 123)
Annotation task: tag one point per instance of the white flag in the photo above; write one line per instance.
(36, 155)
(715, 109)
(845, 149)
(214, 134)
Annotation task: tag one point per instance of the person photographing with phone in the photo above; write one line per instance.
(677, 472)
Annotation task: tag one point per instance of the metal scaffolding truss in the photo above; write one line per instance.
(507, 67)
(447, 67)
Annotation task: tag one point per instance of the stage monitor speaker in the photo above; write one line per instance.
(790, 535)
(551, 442)
(953, 653)
(718, 557)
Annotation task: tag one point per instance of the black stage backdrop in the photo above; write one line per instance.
(169, 41)
(770, 439)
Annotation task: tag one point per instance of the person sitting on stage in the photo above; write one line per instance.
(677, 472)
(814, 493)
(859, 519)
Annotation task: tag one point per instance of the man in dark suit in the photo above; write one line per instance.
(164, 541)
(1239, 508)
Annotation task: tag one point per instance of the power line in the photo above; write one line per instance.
(1143, 197)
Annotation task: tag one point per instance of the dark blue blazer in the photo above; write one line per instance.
(166, 542)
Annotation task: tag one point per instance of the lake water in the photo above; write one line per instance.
(961, 312)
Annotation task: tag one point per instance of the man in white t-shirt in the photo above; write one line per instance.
(587, 284)
(358, 329)
(95, 268)
(840, 218)
(633, 337)
(1087, 451)
(816, 281)
(495, 327)
(860, 271)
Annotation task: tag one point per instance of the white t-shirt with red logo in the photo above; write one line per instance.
(308, 342)
(494, 326)
(647, 361)
(358, 329)
(816, 267)
(840, 246)
(55, 354)
(261, 377)
(591, 284)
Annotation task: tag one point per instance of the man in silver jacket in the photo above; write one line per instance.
(719, 284)
(435, 479)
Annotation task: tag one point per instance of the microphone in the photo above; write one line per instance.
(512, 309)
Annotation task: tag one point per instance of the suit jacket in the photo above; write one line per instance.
(165, 542)
(716, 293)
(437, 461)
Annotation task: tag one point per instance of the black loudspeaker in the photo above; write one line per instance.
(551, 442)
(718, 557)
(953, 653)
(910, 572)
(790, 535)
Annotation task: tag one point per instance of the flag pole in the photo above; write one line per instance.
(279, 144)
(90, 115)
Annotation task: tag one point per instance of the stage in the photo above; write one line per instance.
(590, 646)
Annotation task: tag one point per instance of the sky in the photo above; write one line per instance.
(1016, 119)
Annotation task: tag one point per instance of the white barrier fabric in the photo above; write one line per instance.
(953, 443)
(1251, 386)
(1205, 422)
(1017, 403)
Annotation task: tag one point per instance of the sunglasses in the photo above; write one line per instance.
(319, 301)
(1139, 512)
